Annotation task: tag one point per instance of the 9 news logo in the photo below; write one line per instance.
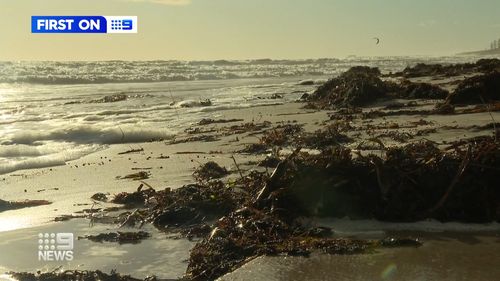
(83, 24)
(55, 246)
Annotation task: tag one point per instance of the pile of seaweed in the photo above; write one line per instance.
(260, 214)
(422, 69)
(361, 85)
(358, 86)
(476, 90)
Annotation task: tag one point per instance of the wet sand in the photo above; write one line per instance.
(444, 256)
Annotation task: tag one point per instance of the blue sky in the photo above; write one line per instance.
(242, 29)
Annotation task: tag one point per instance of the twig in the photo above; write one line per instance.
(492, 118)
(237, 167)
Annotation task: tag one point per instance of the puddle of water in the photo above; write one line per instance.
(165, 258)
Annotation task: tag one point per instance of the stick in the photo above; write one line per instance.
(491, 115)
(237, 167)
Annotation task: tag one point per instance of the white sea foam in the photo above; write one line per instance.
(24, 157)
(89, 134)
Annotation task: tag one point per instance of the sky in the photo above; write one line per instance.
(251, 29)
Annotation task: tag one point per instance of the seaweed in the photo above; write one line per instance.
(120, 237)
(477, 90)
(137, 176)
(13, 205)
(209, 171)
(73, 275)
(208, 121)
(412, 90)
(356, 87)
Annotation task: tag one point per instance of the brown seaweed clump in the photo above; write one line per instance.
(411, 183)
(358, 86)
(210, 171)
(412, 90)
(476, 90)
(422, 69)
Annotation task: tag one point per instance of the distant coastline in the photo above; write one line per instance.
(481, 53)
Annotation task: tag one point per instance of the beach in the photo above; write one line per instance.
(112, 138)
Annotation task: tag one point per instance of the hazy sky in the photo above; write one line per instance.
(241, 29)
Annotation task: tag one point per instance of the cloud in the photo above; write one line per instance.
(164, 2)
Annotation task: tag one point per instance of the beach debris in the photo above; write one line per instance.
(205, 102)
(13, 205)
(476, 90)
(412, 90)
(120, 237)
(111, 98)
(422, 69)
(132, 151)
(100, 197)
(358, 86)
(392, 242)
(210, 171)
(270, 162)
(208, 121)
(276, 96)
(248, 233)
(138, 197)
(200, 138)
(254, 148)
(73, 275)
(137, 176)
(281, 134)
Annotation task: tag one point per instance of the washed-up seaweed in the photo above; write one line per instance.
(131, 151)
(410, 183)
(476, 90)
(200, 138)
(209, 171)
(356, 87)
(74, 275)
(119, 237)
(422, 69)
(411, 90)
(137, 176)
(13, 205)
(208, 121)
(294, 135)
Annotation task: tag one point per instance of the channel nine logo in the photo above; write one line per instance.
(55, 246)
(83, 24)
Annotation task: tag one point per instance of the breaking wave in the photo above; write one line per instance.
(52, 73)
(86, 134)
